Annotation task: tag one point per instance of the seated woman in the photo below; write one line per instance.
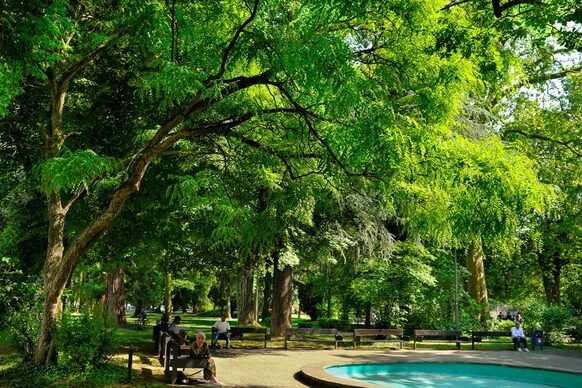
(200, 350)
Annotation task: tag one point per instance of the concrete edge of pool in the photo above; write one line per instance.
(315, 372)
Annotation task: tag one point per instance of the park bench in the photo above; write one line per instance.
(157, 333)
(239, 333)
(378, 335)
(439, 336)
(479, 336)
(312, 335)
(176, 357)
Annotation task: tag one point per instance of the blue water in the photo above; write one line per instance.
(424, 374)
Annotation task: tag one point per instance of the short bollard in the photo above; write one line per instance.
(129, 364)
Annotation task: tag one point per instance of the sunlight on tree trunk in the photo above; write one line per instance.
(246, 298)
(476, 281)
(168, 293)
(77, 303)
(114, 297)
(282, 299)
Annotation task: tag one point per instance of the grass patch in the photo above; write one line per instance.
(27, 375)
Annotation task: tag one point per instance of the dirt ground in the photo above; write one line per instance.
(276, 367)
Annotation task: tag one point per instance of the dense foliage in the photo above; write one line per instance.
(197, 153)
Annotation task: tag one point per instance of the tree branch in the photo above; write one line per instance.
(451, 5)
(77, 67)
(498, 9)
(567, 144)
(561, 74)
(231, 45)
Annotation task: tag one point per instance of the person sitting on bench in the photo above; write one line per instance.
(518, 337)
(220, 330)
(200, 350)
(177, 334)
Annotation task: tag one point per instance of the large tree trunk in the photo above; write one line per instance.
(551, 268)
(476, 283)
(246, 298)
(368, 321)
(55, 280)
(227, 308)
(477, 287)
(115, 296)
(282, 299)
(138, 308)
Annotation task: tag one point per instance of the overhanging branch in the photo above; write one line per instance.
(567, 144)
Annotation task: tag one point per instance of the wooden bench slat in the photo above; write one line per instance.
(291, 334)
(235, 331)
(420, 334)
(359, 333)
(480, 334)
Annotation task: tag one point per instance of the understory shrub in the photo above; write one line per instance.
(23, 327)
(85, 341)
(551, 319)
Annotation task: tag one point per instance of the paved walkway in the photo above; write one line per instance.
(258, 368)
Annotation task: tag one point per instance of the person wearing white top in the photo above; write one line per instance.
(177, 334)
(220, 330)
(518, 337)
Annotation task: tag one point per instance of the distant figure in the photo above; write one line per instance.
(174, 330)
(220, 330)
(164, 322)
(161, 327)
(200, 350)
(518, 337)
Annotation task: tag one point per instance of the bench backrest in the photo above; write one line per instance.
(365, 332)
(294, 331)
(437, 333)
(491, 333)
(248, 330)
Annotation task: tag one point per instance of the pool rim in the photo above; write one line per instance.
(316, 373)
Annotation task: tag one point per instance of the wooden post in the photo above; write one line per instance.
(129, 365)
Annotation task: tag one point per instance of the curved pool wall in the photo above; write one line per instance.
(427, 374)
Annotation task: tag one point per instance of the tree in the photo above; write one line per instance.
(336, 85)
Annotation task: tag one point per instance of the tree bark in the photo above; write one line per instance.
(282, 299)
(168, 294)
(476, 283)
(227, 308)
(551, 272)
(246, 298)
(54, 282)
(267, 291)
(115, 296)
(138, 308)
(77, 305)
(477, 287)
(368, 321)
